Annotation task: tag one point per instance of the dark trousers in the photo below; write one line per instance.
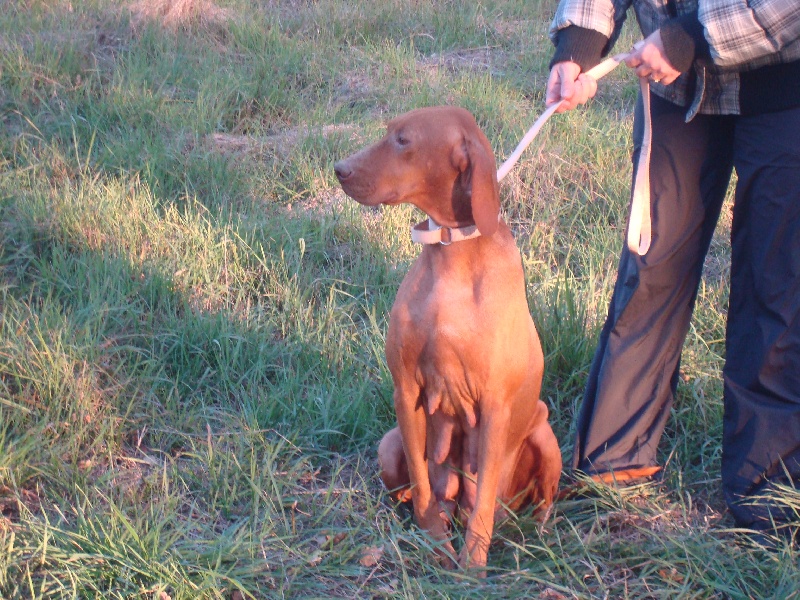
(634, 373)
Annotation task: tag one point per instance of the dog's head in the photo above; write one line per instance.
(434, 158)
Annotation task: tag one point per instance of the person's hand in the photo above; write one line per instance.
(648, 59)
(567, 83)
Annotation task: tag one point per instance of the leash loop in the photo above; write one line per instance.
(639, 225)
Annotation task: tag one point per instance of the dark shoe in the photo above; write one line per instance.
(770, 517)
(775, 536)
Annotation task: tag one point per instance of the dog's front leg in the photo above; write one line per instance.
(411, 420)
(494, 427)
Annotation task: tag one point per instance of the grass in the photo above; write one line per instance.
(192, 381)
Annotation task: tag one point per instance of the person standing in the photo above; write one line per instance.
(725, 96)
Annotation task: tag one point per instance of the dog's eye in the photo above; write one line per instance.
(402, 140)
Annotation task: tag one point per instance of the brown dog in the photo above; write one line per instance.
(463, 351)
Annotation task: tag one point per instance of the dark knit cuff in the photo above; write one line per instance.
(579, 45)
(684, 41)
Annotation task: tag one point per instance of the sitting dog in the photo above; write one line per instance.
(466, 362)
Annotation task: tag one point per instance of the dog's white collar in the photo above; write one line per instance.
(430, 232)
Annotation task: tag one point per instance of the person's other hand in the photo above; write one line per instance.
(648, 59)
(566, 83)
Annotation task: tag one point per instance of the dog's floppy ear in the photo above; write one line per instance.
(483, 181)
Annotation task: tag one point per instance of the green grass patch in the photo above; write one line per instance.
(192, 378)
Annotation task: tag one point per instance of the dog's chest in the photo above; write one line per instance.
(437, 328)
(437, 317)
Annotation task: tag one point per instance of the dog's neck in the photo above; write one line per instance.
(430, 232)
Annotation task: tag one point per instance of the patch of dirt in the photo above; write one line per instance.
(322, 203)
(482, 59)
(11, 502)
(174, 14)
(510, 28)
(354, 88)
(280, 143)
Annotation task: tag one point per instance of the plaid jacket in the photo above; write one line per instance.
(743, 35)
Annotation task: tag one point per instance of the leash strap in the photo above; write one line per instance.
(639, 225)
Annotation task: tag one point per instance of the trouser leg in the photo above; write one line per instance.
(761, 428)
(634, 371)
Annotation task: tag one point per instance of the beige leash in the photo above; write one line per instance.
(639, 226)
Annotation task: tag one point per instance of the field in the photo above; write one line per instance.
(192, 380)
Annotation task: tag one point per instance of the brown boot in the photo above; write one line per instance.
(621, 478)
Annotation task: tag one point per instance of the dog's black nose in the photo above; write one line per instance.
(342, 170)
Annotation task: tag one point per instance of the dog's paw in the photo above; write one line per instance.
(474, 554)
